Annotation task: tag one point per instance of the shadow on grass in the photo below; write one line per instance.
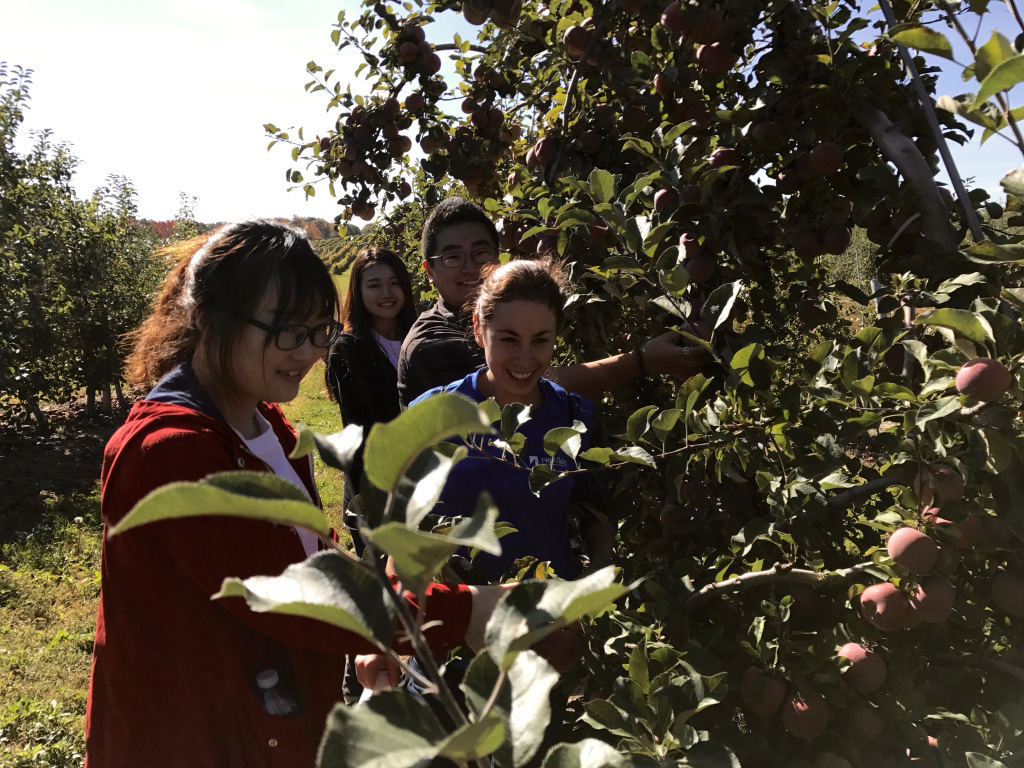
(49, 482)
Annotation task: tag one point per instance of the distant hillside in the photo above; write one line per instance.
(337, 253)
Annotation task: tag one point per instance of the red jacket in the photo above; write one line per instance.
(174, 672)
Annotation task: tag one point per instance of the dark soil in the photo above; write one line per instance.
(35, 468)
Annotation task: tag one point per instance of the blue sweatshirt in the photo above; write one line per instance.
(542, 521)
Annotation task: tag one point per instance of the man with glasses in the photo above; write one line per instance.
(458, 240)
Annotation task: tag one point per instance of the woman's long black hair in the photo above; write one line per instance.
(354, 315)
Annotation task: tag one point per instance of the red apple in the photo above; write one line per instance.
(414, 102)
(867, 670)
(761, 694)
(933, 600)
(805, 715)
(835, 240)
(666, 200)
(1008, 593)
(673, 18)
(825, 159)
(724, 156)
(408, 52)
(807, 245)
(575, 42)
(884, 606)
(546, 149)
(700, 268)
(983, 379)
(913, 550)
(690, 245)
(716, 58)
(862, 721)
(475, 16)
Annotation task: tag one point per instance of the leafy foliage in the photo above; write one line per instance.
(77, 275)
(696, 165)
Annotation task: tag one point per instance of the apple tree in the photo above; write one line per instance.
(826, 516)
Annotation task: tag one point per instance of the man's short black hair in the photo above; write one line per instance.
(453, 210)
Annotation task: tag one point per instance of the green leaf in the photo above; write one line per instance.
(665, 422)
(535, 609)
(923, 39)
(513, 416)
(392, 447)
(718, 306)
(967, 324)
(993, 53)
(751, 366)
(523, 701)
(340, 450)
(422, 484)
(474, 740)
(574, 217)
(420, 555)
(589, 753)
(602, 186)
(330, 587)
(990, 253)
(1003, 76)
(639, 422)
(250, 495)
(393, 729)
(638, 670)
(1013, 183)
(978, 760)
(937, 410)
(541, 476)
(711, 754)
(566, 439)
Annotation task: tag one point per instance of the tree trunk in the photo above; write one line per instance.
(105, 389)
(42, 423)
(121, 404)
(90, 400)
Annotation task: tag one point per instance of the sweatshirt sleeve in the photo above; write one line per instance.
(199, 553)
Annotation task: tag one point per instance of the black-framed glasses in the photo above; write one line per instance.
(292, 335)
(455, 259)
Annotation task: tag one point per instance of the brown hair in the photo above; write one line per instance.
(221, 279)
(354, 315)
(539, 280)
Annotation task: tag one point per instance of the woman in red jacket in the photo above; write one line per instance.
(179, 679)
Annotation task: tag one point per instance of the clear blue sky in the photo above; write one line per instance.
(174, 94)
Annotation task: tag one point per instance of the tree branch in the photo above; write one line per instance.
(783, 572)
(904, 154)
(852, 495)
(1016, 13)
(928, 106)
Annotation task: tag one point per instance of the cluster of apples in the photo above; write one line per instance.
(415, 53)
(889, 608)
(807, 714)
(370, 139)
(504, 14)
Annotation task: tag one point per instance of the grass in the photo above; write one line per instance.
(49, 590)
(312, 408)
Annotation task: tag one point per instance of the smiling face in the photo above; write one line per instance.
(518, 343)
(382, 293)
(263, 372)
(457, 284)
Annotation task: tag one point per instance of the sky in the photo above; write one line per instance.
(173, 94)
